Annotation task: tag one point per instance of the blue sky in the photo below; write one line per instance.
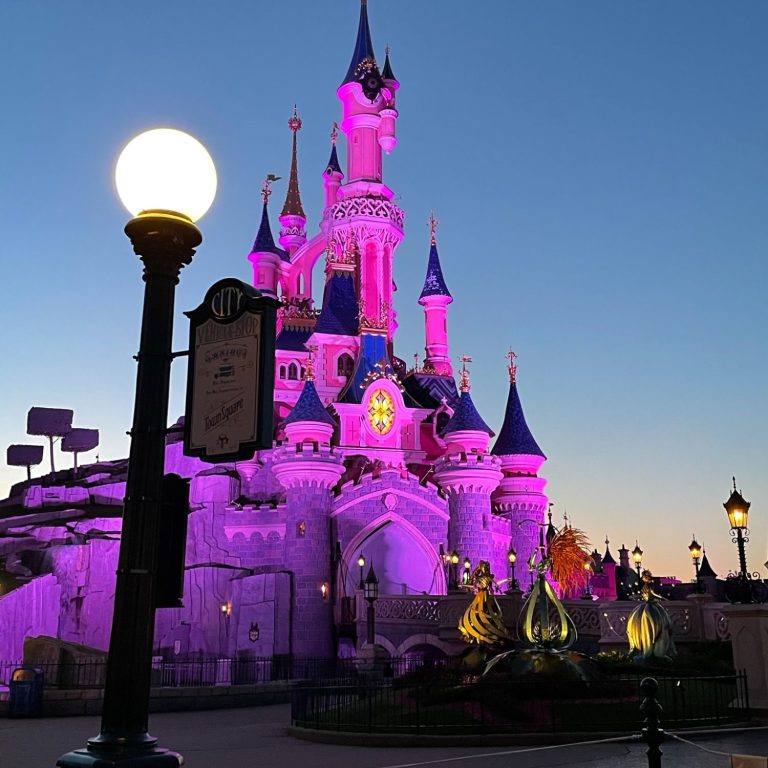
(599, 169)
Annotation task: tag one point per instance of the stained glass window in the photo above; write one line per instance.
(381, 411)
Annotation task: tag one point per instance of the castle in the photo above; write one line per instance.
(373, 464)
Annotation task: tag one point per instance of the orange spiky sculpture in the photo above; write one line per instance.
(569, 551)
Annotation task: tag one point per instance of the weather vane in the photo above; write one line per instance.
(433, 222)
(464, 384)
(512, 368)
(334, 133)
(266, 190)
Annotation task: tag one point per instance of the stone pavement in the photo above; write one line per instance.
(256, 738)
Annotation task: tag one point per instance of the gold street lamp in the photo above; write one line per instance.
(361, 563)
(637, 557)
(512, 560)
(695, 549)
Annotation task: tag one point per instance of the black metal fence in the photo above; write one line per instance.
(516, 706)
(179, 672)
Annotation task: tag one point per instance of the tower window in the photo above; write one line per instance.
(282, 371)
(293, 372)
(345, 365)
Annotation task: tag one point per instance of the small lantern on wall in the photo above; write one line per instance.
(253, 632)
(324, 590)
(302, 528)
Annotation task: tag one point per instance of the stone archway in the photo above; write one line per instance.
(404, 560)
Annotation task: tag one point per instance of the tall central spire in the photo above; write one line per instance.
(363, 46)
(292, 206)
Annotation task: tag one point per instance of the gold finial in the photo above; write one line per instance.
(433, 222)
(309, 368)
(464, 385)
(294, 122)
(334, 133)
(606, 541)
(266, 190)
(512, 368)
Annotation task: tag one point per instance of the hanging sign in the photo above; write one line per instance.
(231, 374)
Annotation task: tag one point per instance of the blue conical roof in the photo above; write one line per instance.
(340, 308)
(264, 242)
(434, 282)
(465, 416)
(387, 72)
(363, 45)
(515, 438)
(309, 407)
(333, 162)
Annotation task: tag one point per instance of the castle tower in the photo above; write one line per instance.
(265, 256)
(364, 212)
(332, 175)
(520, 496)
(435, 298)
(292, 217)
(468, 476)
(308, 468)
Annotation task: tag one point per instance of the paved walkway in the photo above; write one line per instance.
(256, 738)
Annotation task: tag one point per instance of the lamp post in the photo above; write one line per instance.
(742, 586)
(637, 557)
(167, 180)
(695, 549)
(371, 592)
(512, 560)
(465, 575)
(588, 573)
(454, 575)
(361, 563)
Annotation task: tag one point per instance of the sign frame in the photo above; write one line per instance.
(226, 303)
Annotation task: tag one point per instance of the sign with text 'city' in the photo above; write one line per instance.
(231, 375)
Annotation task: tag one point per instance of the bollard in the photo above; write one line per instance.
(652, 733)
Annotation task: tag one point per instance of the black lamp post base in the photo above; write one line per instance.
(153, 758)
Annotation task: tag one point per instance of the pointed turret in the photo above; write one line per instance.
(265, 256)
(466, 427)
(332, 175)
(308, 420)
(387, 72)
(435, 298)
(515, 438)
(387, 137)
(705, 569)
(362, 56)
(608, 557)
(292, 217)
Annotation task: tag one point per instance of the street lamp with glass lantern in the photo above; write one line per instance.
(454, 572)
(742, 587)
(371, 593)
(588, 574)
(695, 549)
(361, 563)
(167, 180)
(512, 560)
(465, 575)
(637, 557)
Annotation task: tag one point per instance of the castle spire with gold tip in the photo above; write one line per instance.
(292, 217)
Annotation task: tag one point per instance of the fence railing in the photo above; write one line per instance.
(178, 672)
(516, 706)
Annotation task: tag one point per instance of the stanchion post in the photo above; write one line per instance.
(652, 733)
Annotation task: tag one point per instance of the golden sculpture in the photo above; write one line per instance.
(649, 627)
(482, 622)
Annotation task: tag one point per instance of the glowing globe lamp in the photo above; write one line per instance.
(166, 172)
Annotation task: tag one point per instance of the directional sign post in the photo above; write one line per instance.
(231, 375)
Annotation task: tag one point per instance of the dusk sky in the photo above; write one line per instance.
(599, 169)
